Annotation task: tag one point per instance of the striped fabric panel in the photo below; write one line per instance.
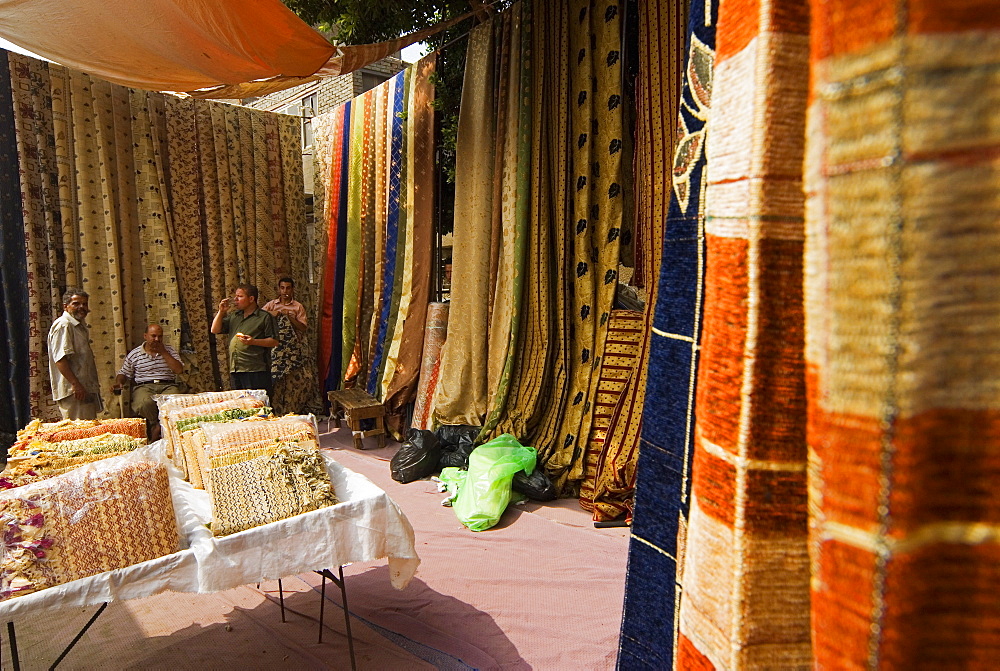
(389, 341)
(903, 326)
(619, 366)
(746, 582)
(329, 130)
(656, 554)
(418, 207)
(393, 133)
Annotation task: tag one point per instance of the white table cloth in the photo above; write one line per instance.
(364, 526)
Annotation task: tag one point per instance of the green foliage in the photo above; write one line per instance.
(368, 21)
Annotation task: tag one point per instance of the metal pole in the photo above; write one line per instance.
(281, 599)
(12, 635)
(79, 636)
(322, 603)
(347, 618)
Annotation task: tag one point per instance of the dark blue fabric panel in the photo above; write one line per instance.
(679, 279)
(15, 401)
(662, 491)
(648, 625)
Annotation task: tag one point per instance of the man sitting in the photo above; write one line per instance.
(153, 366)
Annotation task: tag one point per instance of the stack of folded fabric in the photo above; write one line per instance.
(182, 428)
(262, 472)
(102, 516)
(288, 479)
(46, 450)
(74, 429)
(169, 403)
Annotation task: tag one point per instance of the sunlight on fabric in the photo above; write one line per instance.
(10, 46)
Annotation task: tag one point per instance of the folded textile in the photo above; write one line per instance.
(225, 436)
(107, 443)
(233, 454)
(24, 471)
(269, 488)
(101, 516)
(174, 420)
(76, 429)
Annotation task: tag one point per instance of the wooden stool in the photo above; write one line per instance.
(358, 405)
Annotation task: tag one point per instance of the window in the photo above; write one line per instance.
(308, 111)
(370, 80)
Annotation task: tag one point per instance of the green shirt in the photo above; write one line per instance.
(252, 358)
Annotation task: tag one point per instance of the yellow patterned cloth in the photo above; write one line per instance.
(107, 515)
(269, 488)
(171, 417)
(233, 454)
(225, 437)
(75, 429)
(106, 443)
(27, 470)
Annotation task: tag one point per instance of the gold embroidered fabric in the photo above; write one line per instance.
(169, 418)
(233, 454)
(268, 488)
(107, 515)
(42, 467)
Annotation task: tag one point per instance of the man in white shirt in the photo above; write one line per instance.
(153, 367)
(72, 369)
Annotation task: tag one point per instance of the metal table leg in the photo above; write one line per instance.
(79, 636)
(339, 581)
(12, 635)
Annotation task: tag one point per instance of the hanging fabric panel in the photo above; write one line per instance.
(15, 360)
(537, 380)
(298, 390)
(609, 485)
(376, 157)
(538, 272)
(186, 224)
(50, 249)
(510, 210)
(746, 579)
(405, 353)
(903, 312)
(658, 551)
(461, 393)
(593, 223)
(122, 196)
(330, 137)
(158, 271)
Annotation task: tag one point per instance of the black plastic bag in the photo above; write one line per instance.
(457, 442)
(450, 435)
(417, 457)
(536, 486)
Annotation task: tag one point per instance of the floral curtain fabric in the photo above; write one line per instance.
(156, 206)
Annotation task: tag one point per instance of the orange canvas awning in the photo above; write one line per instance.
(345, 59)
(168, 45)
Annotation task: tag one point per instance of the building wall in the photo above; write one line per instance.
(328, 93)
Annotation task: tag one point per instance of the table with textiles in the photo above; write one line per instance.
(364, 525)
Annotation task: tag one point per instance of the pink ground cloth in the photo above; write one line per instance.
(543, 590)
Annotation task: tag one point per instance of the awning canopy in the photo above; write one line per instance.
(233, 48)
(168, 45)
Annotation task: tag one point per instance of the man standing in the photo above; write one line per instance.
(72, 370)
(153, 367)
(285, 304)
(252, 334)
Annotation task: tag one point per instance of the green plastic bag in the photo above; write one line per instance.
(484, 495)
